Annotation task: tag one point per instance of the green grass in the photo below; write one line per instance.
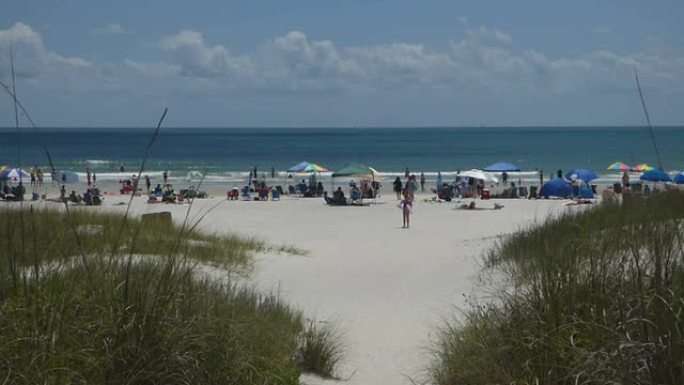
(122, 303)
(320, 349)
(595, 297)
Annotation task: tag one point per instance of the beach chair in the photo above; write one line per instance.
(275, 195)
(245, 193)
(291, 190)
(522, 192)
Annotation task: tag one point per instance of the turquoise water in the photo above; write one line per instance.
(225, 151)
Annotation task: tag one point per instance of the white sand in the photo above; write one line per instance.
(386, 287)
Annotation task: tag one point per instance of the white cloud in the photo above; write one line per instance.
(110, 29)
(32, 59)
(198, 59)
(484, 58)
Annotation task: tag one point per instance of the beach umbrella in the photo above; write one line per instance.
(558, 187)
(501, 167)
(679, 178)
(643, 167)
(582, 174)
(619, 166)
(14, 174)
(313, 167)
(479, 174)
(655, 176)
(299, 167)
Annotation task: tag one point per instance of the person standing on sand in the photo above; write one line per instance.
(397, 186)
(405, 207)
(88, 176)
(148, 184)
(406, 172)
(625, 179)
(94, 177)
(165, 175)
(422, 182)
(541, 178)
(272, 172)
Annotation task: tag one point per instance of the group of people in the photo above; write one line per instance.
(92, 196)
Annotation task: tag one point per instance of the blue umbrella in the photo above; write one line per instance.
(556, 188)
(501, 167)
(679, 178)
(582, 174)
(656, 176)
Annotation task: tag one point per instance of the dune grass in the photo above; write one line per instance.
(595, 297)
(122, 302)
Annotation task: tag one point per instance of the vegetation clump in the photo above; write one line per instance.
(94, 298)
(594, 297)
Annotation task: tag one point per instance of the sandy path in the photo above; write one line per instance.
(386, 287)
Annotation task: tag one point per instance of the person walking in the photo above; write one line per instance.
(397, 186)
(88, 176)
(422, 182)
(406, 173)
(165, 175)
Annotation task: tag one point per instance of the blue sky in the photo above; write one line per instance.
(343, 63)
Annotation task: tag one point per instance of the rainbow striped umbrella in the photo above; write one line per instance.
(643, 167)
(313, 167)
(619, 166)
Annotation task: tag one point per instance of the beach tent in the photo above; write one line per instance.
(642, 167)
(655, 176)
(582, 174)
(501, 167)
(585, 191)
(65, 176)
(558, 187)
(479, 174)
(679, 178)
(357, 170)
(619, 166)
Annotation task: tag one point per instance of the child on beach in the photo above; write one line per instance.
(405, 207)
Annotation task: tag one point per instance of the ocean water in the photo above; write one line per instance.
(228, 153)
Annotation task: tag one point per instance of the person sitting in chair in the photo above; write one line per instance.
(73, 197)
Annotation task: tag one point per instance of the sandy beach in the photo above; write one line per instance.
(387, 288)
